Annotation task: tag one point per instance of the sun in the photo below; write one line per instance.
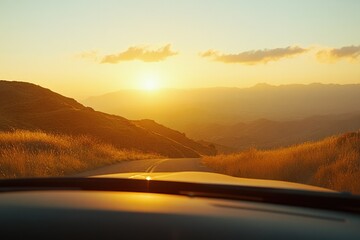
(150, 83)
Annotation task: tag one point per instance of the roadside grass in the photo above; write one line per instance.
(331, 163)
(39, 154)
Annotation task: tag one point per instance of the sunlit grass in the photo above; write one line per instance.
(39, 154)
(331, 163)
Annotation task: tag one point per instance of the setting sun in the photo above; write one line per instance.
(150, 83)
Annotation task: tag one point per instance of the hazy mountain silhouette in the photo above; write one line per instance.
(201, 148)
(31, 107)
(266, 134)
(183, 109)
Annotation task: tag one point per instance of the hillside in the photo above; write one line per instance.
(228, 106)
(267, 134)
(331, 163)
(174, 135)
(30, 107)
(39, 154)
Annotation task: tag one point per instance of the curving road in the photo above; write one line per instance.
(151, 165)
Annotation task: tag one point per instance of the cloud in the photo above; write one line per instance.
(255, 56)
(335, 54)
(140, 53)
(90, 55)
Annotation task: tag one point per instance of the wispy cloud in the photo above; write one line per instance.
(140, 53)
(90, 55)
(255, 56)
(335, 54)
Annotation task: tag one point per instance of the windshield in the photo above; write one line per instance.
(265, 90)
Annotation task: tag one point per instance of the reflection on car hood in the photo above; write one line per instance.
(214, 178)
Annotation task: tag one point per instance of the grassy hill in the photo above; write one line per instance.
(39, 154)
(331, 163)
(30, 107)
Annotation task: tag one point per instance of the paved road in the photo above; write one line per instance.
(151, 165)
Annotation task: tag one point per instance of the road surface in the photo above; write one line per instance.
(151, 165)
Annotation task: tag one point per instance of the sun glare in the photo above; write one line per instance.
(150, 83)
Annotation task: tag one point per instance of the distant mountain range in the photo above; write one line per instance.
(234, 119)
(266, 134)
(31, 107)
(186, 109)
(172, 135)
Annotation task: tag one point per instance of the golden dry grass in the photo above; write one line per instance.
(331, 163)
(40, 154)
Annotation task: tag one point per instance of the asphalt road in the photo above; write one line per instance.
(151, 165)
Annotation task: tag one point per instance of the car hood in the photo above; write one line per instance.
(214, 178)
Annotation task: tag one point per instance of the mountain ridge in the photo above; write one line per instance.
(268, 134)
(227, 106)
(30, 107)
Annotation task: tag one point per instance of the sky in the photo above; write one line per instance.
(82, 48)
